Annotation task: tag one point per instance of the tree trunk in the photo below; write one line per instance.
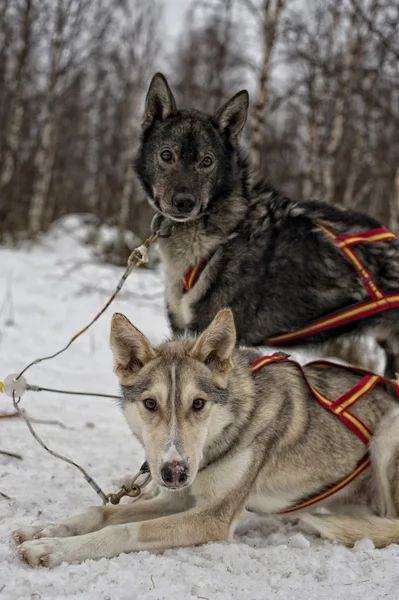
(44, 165)
(270, 26)
(14, 128)
(340, 104)
(394, 205)
(46, 154)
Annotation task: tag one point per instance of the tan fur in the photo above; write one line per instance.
(261, 441)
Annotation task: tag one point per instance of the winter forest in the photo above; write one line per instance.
(323, 78)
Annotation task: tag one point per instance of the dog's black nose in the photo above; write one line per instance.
(174, 474)
(184, 203)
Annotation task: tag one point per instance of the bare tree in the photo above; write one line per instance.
(269, 22)
(73, 74)
(210, 60)
(14, 121)
(64, 12)
(140, 45)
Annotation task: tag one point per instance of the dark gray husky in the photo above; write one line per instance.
(227, 240)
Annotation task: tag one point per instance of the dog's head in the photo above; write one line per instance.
(175, 396)
(187, 159)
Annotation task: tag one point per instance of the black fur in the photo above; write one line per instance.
(280, 271)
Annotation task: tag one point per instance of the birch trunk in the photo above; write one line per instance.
(394, 205)
(270, 25)
(320, 84)
(14, 126)
(339, 109)
(44, 165)
(46, 154)
(308, 186)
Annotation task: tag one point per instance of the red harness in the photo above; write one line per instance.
(340, 408)
(378, 303)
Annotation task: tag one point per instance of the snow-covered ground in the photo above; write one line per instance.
(50, 291)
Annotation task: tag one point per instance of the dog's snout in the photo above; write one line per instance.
(184, 203)
(174, 474)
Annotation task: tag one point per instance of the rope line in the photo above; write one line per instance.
(38, 388)
(136, 259)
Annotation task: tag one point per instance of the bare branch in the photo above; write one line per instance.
(372, 28)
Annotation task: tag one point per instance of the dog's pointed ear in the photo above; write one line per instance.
(130, 348)
(159, 103)
(215, 346)
(232, 116)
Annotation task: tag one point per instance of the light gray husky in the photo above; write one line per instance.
(220, 437)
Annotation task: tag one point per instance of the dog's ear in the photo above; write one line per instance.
(215, 346)
(159, 103)
(130, 348)
(232, 116)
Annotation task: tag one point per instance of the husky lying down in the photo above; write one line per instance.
(218, 438)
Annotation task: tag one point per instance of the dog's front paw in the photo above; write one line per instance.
(42, 553)
(23, 535)
(43, 531)
(55, 530)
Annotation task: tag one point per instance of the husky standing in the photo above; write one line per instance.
(223, 429)
(228, 241)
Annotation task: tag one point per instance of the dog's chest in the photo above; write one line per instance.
(178, 258)
(179, 303)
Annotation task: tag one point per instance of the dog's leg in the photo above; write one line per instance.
(97, 517)
(219, 500)
(388, 339)
(391, 359)
(348, 529)
(384, 448)
(191, 528)
(357, 524)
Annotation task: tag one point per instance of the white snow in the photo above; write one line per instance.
(50, 291)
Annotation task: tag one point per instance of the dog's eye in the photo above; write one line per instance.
(150, 404)
(166, 156)
(198, 404)
(207, 162)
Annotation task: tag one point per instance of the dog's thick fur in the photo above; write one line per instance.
(270, 261)
(260, 441)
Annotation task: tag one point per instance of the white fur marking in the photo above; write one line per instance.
(172, 455)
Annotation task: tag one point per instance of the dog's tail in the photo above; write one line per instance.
(347, 529)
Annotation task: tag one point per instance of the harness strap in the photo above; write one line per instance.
(354, 312)
(340, 406)
(192, 275)
(378, 303)
(333, 489)
(345, 242)
(373, 235)
(340, 409)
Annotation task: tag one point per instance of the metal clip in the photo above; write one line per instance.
(134, 490)
(140, 254)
